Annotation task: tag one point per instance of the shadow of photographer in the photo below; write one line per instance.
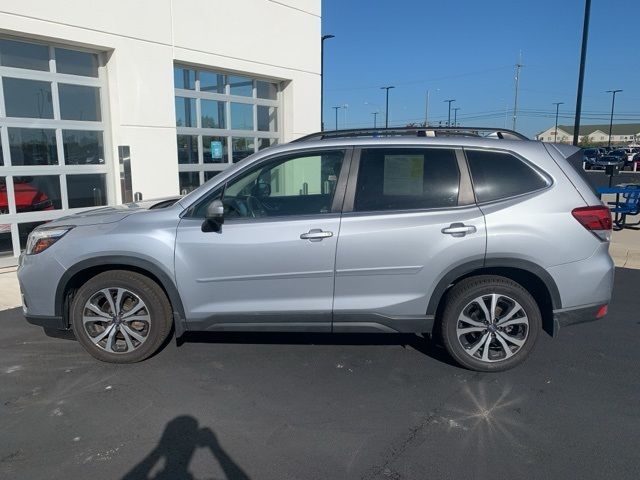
(179, 441)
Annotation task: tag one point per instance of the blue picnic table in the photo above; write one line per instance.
(629, 205)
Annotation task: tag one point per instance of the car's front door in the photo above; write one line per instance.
(271, 265)
(409, 217)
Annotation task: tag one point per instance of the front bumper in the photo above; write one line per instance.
(575, 315)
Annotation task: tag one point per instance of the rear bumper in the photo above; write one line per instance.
(572, 316)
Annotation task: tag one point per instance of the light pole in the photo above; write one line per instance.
(324, 37)
(555, 135)
(449, 118)
(455, 116)
(375, 118)
(613, 102)
(386, 110)
(336, 109)
(583, 59)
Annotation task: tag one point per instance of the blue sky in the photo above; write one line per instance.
(466, 50)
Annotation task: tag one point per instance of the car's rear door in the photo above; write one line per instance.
(409, 217)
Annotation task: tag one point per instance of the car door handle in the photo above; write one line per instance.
(315, 235)
(459, 229)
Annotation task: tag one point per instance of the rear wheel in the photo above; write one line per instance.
(490, 323)
(121, 316)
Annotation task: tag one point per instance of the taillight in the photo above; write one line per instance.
(595, 219)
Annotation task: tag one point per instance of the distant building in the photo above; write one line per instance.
(621, 134)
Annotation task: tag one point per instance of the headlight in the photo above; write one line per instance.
(42, 238)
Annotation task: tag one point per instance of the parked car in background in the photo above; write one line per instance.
(28, 197)
(591, 156)
(603, 161)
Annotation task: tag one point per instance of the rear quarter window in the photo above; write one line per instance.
(498, 175)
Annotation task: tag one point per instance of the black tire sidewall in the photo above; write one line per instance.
(464, 293)
(150, 293)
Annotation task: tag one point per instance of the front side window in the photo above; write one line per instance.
(302, 184)
(406, 178)
(498, 175)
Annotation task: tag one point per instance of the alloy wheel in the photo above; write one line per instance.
(116, 320)
(492, 327)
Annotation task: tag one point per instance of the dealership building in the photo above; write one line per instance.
(102, 102)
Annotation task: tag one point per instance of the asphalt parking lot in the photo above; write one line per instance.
(323, 407)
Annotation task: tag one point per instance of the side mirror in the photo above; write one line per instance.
(214, 217)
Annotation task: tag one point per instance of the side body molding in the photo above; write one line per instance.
(115, 261)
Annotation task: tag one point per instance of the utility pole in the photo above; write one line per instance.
(324, 37)
(515, 102)
(345, 106)
(375, 118)
(555, 135)
(386, 110)
(449, 118)
(455, 116)
(426, 111)
(583, 59)
(613, 102)
(336, 109)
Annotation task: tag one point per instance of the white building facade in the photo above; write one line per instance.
(100, 101)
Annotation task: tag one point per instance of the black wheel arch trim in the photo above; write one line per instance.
(493, 262)
(126, 261)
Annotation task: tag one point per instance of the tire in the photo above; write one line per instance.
(142, 321)
(510, 337)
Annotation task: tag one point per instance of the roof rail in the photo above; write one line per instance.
(487, 132)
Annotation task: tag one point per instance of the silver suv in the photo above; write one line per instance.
(479, 237)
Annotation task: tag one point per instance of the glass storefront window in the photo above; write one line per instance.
(208, 174)
(242, 86)
(74, 62)
(184, 78)
(83, 147)
(241, 116)
(211, 82)
(37, 193)
(32, 146)
(266, 143)
(185, 112)
(87, 190)
(27, 98)
(242, 147)
(79, 102)
(214, 126)
(212, 114)
(267, 90)
(24, 55)
(215, 149)
(189, 181)
(187, 149)
(52, 141)
(267, 119)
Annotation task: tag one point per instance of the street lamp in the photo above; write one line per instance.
(324, 37)
(449, 119)
(386, 110)
(336, 109)
(555, 135)
(613, 102)
(375, 118)
(455, 116)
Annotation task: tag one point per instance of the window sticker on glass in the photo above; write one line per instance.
(403, 175)
(216, 149)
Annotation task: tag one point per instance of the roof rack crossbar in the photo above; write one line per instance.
(418, 131)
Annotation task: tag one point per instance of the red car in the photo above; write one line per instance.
(28, 197)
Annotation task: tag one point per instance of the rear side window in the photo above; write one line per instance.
(498, 175)
(402, 179)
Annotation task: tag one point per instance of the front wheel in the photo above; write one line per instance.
(490, 323)
(121, 316)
